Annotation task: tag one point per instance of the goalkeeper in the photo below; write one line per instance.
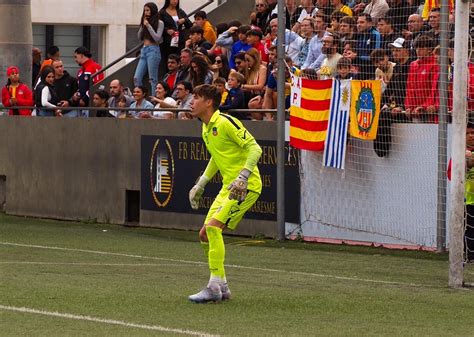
(235, 153)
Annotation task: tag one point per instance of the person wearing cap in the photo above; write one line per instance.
(254, 39)
(16, 94)
(394, 95)
(421, 82)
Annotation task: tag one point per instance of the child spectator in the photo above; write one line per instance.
(220, 85)
(200, 19)
(344, 69)
(236, 98)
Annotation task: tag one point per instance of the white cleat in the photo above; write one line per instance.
(226, 294)
(206, 295)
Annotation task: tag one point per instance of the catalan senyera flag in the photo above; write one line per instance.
(309, 113)
(365, 108)
(433, 4)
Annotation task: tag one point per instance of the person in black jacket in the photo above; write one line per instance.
(46, 99)
(236, 98)
(65, 86)
(176, 23)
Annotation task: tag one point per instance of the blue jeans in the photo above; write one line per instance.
(45, 113)
(150, 57)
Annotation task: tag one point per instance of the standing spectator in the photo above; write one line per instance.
(151, 33)
(328, 67)
(254, 39)
(216, 49)
(36, 65)
(394, 95)
(117, 92)
(200, 19)
(307, 32)
(293, 41)
(239, 46)
(435, 24)
(52, 54)
(388, 34)
(99, 100)
(421, 82)
(316, 42)
(16, 94)
(161, 100)
(222, 66)
(140, 94)
(200, 72)
(341, 7)
(83, 58)
(384, 68)
(65, 86)
(399, 12)
(336, 17)
(171, 77)
(184, 99)
(235, 98)
(368, 39)
(415, 27)
(46, 100)
(176, 23)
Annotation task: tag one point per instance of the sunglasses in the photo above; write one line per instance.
(259, 5)
(238, 63)
(218, 61)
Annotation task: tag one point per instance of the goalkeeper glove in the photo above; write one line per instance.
(238, 188)
(196, 192)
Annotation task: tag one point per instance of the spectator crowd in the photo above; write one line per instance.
(386, 40)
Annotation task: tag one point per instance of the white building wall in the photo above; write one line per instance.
(113, 15)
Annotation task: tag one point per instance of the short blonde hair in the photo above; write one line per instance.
(238, 76)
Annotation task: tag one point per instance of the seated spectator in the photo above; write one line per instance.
(116, 91)
(235, 99)
(270, 98)
(350, 53)
(293, 13)
(99, 100)
(261, 16)
(394, 95)
(220, 83)
(185, 66)
(293, 41)
(200, 72)
(16, 94)
(65, 86)
(339, 6)
(416, 28)
(200, 19)
(196, 39)
(254, 39)
(122, 103)
(399, 12)
(375, 8)
(329, 56)
(139, 94)
(257, 75)
(367, 39)
(347, 29)
(222, 68)
(227, 38)
(239, 46)
(46, 99)
(162, 100)
(242, 65)
(421, 82)
(387, 33)
(336, 17)
(171, 77)
(316, 42)
(384, 68)
(216, 49)
(307, 32)
(184, 98)
(308, 10)
(344, 70)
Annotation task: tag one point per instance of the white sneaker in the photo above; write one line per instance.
(225, 291)
(209, 294)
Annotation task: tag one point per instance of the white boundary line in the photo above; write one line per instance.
(91, 264)
(280, 271)
(106, 321)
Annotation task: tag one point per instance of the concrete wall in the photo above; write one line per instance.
(81, 168)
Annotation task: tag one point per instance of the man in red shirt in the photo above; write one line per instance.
(83, 58)
(422, 82)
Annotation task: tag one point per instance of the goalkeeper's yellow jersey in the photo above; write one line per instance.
(227, 140)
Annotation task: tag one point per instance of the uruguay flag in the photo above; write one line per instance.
(336, 139)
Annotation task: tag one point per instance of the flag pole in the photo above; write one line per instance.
(281, 121)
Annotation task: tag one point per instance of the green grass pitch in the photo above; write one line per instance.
(119, 281)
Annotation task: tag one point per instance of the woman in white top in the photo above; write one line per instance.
(46, 99)
(162, 100)
(151, 33)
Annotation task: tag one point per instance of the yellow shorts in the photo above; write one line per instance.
(230, 212)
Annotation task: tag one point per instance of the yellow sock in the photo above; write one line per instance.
(216, 251)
